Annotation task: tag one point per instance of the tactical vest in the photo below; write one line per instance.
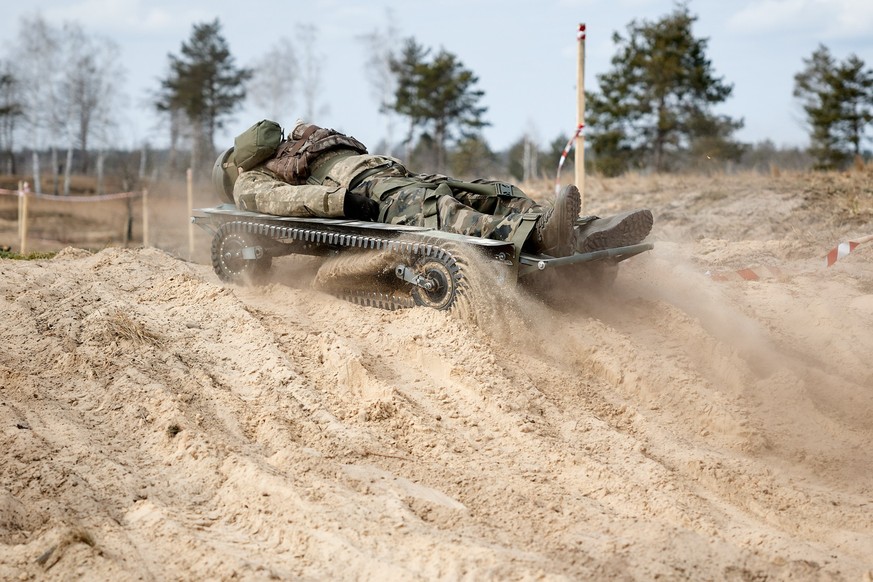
(296, 156)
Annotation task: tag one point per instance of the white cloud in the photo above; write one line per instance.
(829, 19)
(620, 4)
(855, 19)
(137, 16)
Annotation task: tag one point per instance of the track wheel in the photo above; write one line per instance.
(442, 283)
(239, 257)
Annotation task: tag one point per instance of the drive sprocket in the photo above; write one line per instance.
(231, 246)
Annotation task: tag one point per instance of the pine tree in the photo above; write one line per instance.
(654, 107)
(10, 111)
(472, 159)
(437, 96)
(204, 85)
(838, 101)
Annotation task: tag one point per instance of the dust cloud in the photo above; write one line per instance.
(157, 424)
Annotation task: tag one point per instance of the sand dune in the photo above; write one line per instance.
(156, 425)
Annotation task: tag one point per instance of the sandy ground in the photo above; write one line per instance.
(156, 425)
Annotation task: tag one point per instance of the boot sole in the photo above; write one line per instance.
(630, 230)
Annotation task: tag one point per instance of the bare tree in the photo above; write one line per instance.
(36, 59)
(311, 70)
(69, 89)
(383, 81)
(180, 130)
(274, 82)
(89, 88)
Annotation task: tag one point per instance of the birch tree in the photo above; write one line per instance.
(36, 57)
(275, 78)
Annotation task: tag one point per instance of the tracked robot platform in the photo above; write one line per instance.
(407, 265)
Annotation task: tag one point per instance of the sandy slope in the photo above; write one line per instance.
(156, 425)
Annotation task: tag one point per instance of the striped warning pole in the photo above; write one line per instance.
(564, 153)
(580, 114)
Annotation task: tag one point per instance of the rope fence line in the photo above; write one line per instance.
(24, 195)
(72, 198)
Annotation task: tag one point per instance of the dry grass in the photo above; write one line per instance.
(120, 325)
(851, 192)
(75, 535)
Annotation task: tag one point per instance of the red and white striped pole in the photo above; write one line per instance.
(580, 114)
(564, 153)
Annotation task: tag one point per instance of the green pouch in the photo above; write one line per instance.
(257, 143)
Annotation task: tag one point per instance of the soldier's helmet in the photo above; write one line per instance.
(224, 175)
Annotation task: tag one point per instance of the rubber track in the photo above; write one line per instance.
(353, 241)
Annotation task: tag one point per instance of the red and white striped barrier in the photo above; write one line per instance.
(759, 273)
(748, 274)
(843, 249)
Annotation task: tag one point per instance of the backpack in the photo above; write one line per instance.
(295, 156)
(257, 143)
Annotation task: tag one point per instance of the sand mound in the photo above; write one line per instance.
(158, 425)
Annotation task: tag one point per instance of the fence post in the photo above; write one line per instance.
(20, 209)
(190, 211)
(145, 217)
(128, 226)
(22, 217)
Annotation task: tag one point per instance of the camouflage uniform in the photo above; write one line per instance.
(484, 209)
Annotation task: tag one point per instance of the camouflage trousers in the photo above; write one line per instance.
(493, 210)
(483, 209)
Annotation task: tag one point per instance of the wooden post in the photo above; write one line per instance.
(190, 211)
(20, 210)
(145, 217)
(128, 224)
(22, 217)
(580, 115)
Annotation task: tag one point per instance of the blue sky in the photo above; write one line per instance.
(524, 53)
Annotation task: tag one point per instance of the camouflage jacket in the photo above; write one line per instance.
(263, 190)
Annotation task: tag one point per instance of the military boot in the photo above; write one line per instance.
(555, 234)
(620, 230)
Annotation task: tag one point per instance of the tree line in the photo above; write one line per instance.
(655, 108)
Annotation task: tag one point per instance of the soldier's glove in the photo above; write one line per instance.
(360, 207)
